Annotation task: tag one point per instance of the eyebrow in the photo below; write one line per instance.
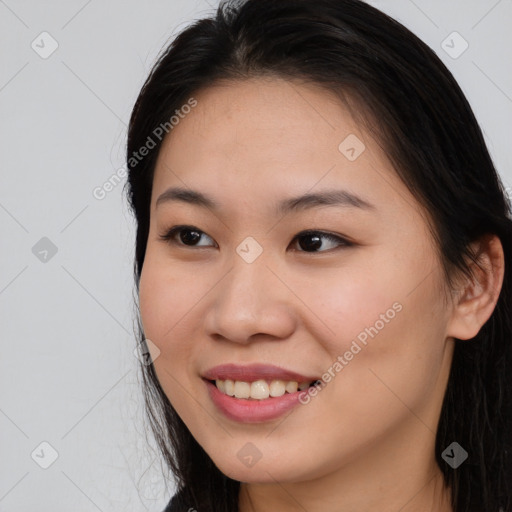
(303, 202)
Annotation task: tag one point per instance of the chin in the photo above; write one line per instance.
(259, 474)
(265, 470)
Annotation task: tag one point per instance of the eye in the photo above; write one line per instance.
(311, 241)
(189, 236)
(308, 241)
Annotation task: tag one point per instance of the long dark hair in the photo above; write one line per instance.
(412, 104)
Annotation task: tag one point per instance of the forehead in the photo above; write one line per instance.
(251, 112)
(266, 138)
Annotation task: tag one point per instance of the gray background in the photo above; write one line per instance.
(68, 375)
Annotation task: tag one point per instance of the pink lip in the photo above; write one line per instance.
(253, 411)
(252, 372)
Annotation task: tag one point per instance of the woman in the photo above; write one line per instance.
(323, 262)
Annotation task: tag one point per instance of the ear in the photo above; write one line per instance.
(476, 298)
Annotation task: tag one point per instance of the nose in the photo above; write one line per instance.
(251, 302)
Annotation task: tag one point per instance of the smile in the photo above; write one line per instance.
(255, 393)
(259, 389)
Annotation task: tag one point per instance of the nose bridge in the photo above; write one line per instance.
(248, 284)
(250, 300)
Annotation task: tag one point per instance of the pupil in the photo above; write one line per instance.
(316, 244)
(186, 238)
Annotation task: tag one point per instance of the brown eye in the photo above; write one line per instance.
(308, 241)
(311, 241)
(187, 235)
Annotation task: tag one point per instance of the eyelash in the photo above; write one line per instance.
(169, 237)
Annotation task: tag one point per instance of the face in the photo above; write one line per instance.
(272, 292)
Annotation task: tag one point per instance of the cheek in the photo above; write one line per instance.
(166, 300)
(389, 292)
(345, 304)
(386, 319)
(168, 294)
(391, 344)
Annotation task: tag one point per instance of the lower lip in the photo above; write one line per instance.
(252, 411)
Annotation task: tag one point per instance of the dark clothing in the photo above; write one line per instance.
(171, 507)
(179, 503)
(174, 504)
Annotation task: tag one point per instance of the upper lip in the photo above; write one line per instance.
(253, 372)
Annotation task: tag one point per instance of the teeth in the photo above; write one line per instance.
(259, 389)
(292, 386)
(277, 388)
(229, 387)
(242, 389)
(221, 385)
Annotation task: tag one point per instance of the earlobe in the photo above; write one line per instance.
(478, 295)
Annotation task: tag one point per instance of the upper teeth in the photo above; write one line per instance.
(259, 389)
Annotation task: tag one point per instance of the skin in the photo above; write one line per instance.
(366, 441)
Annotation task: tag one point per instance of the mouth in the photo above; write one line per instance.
(255, 393)
(259, 389)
